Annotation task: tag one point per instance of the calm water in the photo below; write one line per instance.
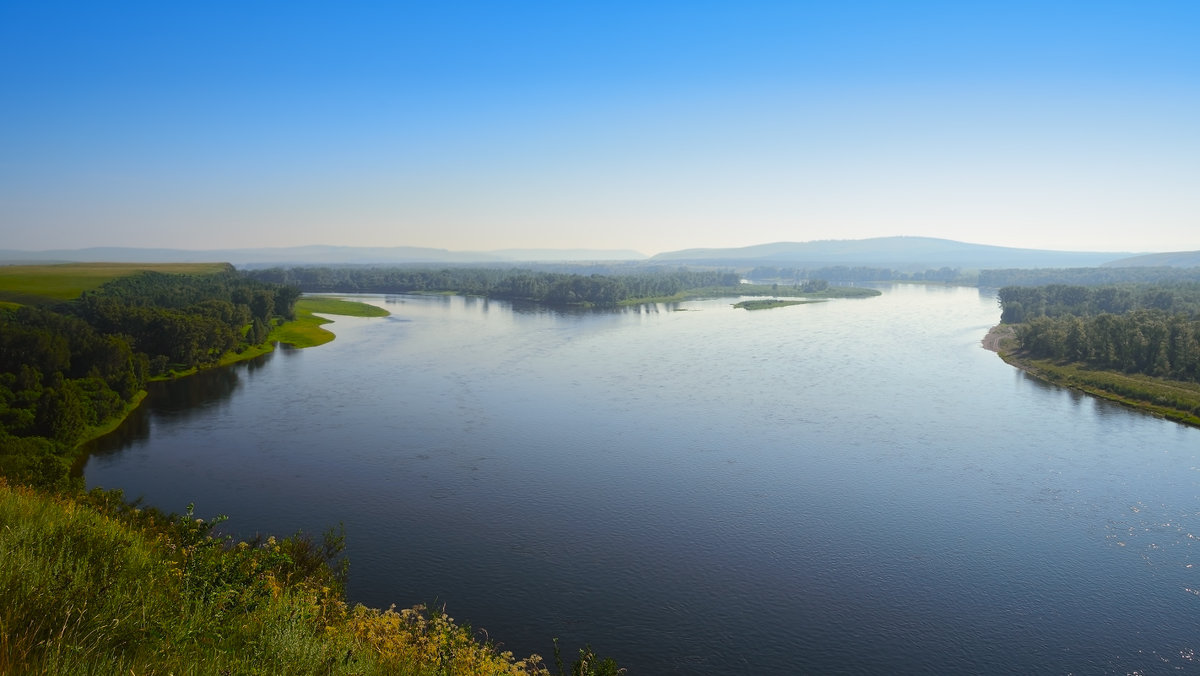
(852, 486)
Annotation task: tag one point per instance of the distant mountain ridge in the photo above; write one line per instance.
(314, 255)
(902, 253)
(906, 254)
(1173, 259)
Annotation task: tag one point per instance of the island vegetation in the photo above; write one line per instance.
(1138, 344)
(92, 583)
(550, 288)
(768, 303)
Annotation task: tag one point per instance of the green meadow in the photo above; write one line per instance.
(46, 284)
(305, 330)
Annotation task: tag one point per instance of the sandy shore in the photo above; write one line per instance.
(1000, 335)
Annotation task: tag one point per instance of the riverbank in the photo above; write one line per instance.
(94, 584)
(303, 331)
(1170, 399)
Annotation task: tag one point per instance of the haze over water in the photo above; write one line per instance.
(851, 486)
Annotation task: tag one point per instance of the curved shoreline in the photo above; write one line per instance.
(998, 336)
(1176, 401)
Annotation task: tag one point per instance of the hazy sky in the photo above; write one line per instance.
(646, 125)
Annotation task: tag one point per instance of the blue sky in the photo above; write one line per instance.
(651, 125)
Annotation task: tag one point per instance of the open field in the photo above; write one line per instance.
(44, 284)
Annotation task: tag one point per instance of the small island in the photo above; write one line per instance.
(768, 303)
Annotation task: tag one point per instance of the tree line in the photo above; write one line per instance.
(846, 273)
(73, 366)
(1085, 276)
(1023, 303)
(554, 288)
(1152, 329)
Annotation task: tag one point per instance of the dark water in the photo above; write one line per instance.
(852, 486)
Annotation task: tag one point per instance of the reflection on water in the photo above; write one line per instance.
(849, 486)
(178, 401)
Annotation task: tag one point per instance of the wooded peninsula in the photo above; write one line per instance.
(1135, 343)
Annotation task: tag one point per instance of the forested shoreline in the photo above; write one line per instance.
(1152, 329)
(1134, 343)
(92, 583)
(67, 368)
(552, 288)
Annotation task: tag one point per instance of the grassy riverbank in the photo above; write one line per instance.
(305, 330)
(91, 585)
(1171, 399)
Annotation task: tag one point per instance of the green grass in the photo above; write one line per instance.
(303, 331)
(91, 585)
(770, 303)
(306, 331)
(44, 284)
(112, 423)
(1171, 399)
(337, 306)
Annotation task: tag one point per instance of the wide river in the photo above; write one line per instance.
(853, 486)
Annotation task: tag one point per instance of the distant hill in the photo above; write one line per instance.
(900, 253)
(1176, 259)
(312, 255)
(560, 255)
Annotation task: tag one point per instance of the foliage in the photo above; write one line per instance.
(1086, 276)
(553, 288)
(68, 370)
(1152, 329)
(1021, 303)
(47, 284)
(93, 584)
(305, 330)
(816, 288)
(845, 273)
(768, 304)
(338, 306)
(1178, 401)
(1134, 343)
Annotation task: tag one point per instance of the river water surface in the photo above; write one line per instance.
(853, 486)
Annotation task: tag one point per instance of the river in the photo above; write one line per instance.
(853, 486)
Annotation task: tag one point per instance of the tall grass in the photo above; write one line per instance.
(92, 585)
(1171, 399)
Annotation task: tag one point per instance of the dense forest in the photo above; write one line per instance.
(1151, 329)
(555, 288)
(68, 368)
(844, 273)
(1085, 276)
